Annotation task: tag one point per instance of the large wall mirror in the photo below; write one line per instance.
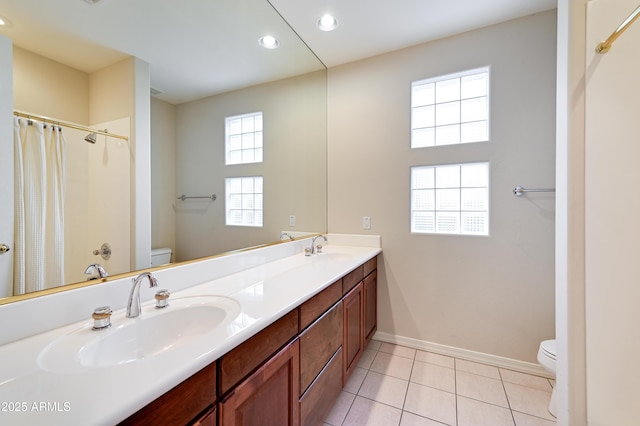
(166, 75)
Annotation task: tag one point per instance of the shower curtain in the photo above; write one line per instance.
(39, 164)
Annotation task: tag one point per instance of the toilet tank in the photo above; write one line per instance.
(160, 256)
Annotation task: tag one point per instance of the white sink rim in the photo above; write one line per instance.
(85, 348)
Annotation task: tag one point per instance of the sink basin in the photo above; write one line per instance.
(152, 334)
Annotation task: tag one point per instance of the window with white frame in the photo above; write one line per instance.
(451, 109)
(450, 199)
(243, 139)
(244, 196)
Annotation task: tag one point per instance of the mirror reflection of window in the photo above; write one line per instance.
(244, 201)
(243, 139)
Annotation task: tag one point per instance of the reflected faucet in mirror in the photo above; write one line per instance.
(133, 306)
(95, 268)
(286, 235)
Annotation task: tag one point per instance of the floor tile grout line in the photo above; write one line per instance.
(506, 395)
(455, 386)
(455, 369)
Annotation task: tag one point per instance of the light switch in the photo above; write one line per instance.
(292, 220)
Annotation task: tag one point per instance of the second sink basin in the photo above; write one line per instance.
(155, 332)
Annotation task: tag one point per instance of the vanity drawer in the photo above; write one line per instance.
(243, 359)
(316, 402)
(370, 266)
(350, 280)
(318, 304)
(318, 344)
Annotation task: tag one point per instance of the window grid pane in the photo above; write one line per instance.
(244, 197)
(244, 139)
(452, 109)
(450, 199)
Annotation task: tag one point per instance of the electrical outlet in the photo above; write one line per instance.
(292, 220)
(366, 222)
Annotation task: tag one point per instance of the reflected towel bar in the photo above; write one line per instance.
(183, 197)
(519, 191)
(606, 45)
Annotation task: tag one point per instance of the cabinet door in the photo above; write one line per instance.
(267, 397)
(370, 287)
(207, 419)
(353, 334)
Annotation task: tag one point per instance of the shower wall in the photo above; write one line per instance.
(97, 201)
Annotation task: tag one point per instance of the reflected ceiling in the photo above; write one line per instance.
(195, 51)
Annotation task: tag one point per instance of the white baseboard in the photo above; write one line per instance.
(466, 354)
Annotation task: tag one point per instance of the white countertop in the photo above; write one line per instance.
(33, 393)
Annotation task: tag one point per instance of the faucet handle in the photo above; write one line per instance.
(101, 317)
(162, 298)
(319, 248)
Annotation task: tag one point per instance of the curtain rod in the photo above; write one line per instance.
(67, 124)
(606, 45)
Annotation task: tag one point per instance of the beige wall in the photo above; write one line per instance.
(49, 88)
(495, 294)
(294, 166)
(612, 231)
(111, 92)
(163, 174)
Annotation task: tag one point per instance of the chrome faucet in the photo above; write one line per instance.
(313, 242)
(95, 268)
(133, 306)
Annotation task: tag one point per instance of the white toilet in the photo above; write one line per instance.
(160, 256)
(547, 358)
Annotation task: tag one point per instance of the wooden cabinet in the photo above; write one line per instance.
(353, 330)
(370, 289)
(360, 313)
(209, 418)
(269, 396)
(246, 357)
(290, 373)
(182, 404)
(320, 303)
(316, 402)
(318, 344)
(350, 280)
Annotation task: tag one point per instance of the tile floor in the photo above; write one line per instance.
(396, 385)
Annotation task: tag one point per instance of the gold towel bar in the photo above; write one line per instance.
(606, 45)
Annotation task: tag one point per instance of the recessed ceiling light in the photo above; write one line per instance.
(269, 42)
(327, 22)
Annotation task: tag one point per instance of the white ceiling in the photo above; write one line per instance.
(197, 48)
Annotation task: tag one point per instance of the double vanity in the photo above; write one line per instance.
(268, 333)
